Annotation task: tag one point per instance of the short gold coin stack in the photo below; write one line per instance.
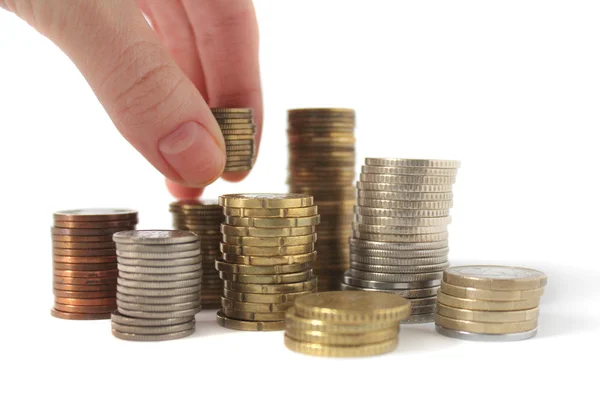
(399, 241)
(237, 126)
(345, 324)
(489, 303)
(321, 163)
(267, 249)
(204, 219)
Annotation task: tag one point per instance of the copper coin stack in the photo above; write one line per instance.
(267, 249)
(204, 219)
(400, 238)
(321, 163)
(85, 261)
(237, 126)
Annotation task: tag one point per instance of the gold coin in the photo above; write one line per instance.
(486, 305)
(352, 307)
(492, 295)
(495, 277)
(271, 212)
(255, 307)
(266, 232)
(266, 200)
(340, 351)
(485, 327)
(270, 241)
(273, 222)
(222, 266)
(230, 110)
(275, 260)
(267, 279)
(235, 138)
(264, 298)
(343, 339)
(487, 316)
(270, 289)
(253, 316)
(266, 251)
(230, 323)
(296, 322)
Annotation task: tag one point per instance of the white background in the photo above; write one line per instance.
(509, 88)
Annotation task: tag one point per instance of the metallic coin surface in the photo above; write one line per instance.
(419, 319)
(271, 212)
(384, 191)
(336, 339)
(157, 292)
(484, 337)
(158, 284)
(271, 288)
(153, 330)
(443, 252)
(340, 351)
(491, 295)
(156, 237)
(161, 277)
(183, 269)
(83, 245)
(399, 261)
(273, 222)
(487, 305)
(371, 169)
(152, 338)
(123, 225)
(487, 316)
(495, 277)
(158, 256)
(131, 321)
(158, 300)
(262, 298)
(377, 237)
(438, 221)
(83, 239)
(84, 288)
(350, 280)
(266, 200)
(395, 278)
(253, 316)
(391, 246)
(83, 252)
(240, 325)
(406, 293)
(176, 262)
(158, 314)
(84, 260)
(78, 316)
(156, 308)
(83, 281)
(404, 204)
(254, 307)
(84, 232)
(273, 260)
(485, 327)
(266, 251)
(405, 162)
(86, 295)
(112, 273)
(427, 182)
(95, 214)
(266, 232)
(399, 213)
(87, 302)
(87, 309)
(268, 279)
(398, 230)
(269, 241)
(398, 269)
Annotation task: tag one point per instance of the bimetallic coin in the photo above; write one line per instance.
(271, 288)
(138, 322)
(156, 237)
(258, 270)
(240, 325)
(153, 330)
(340, 351)
(336, 339)
(495, 277)
(487, 316)
(405, 162)
(375, 284)
(275, 260)
(491, 295)
(396, 278)
(266, 200)
(78, 316)
(484, 337)
(266, 251)
(433, 237)
(152, 338)
(485, 327)
(270, 241)
(390, 246)
(399, 213)
(486, 305)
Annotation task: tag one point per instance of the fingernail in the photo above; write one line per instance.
(194, 154)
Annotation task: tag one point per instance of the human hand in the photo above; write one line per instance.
(157, 86)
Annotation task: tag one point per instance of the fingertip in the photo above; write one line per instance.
(183, 192)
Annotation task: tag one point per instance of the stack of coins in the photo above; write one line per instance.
(400, 237)
(489, 303)
(321, 163)
(85, 262)
(158, 289)
(345, 324)
(204, 219)
(267, 250)
(237, 126)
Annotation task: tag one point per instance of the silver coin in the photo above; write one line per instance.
(177, 262)
(372, 169)
(391, 194)
(399, 261)
(369, 244)
(486, 337)
(121, 319)
(434, 237)
(406, 293)
(165, 248)
(157, 292)
(399, 254)
(399, 269)
(154, 308)
(350, 280)
(154, 237)
(132, 269)
(410, 180)
(407, 162)
(398, 230)
(423, 302)
(158, 285)
(400, 221)
(153, 330)
(152, 338)
(161, 277)
(419, 310)
(399, 213)
(159, 300)
(158, 256)
(419, 319)
(405, 204)
(159, 315)
(395, 278)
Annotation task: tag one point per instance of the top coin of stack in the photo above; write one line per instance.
(204, 219)
(267, 249)
(489, 303)
(85, 262)
(400, 237)
(321, 163)
(237, 126)
(345, 324)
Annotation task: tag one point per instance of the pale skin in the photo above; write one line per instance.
(157, 83)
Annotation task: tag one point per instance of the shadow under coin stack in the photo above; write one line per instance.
(158, 290)
(267, 249)
(345, 324)
(237, 126)
(400, 237)
(321, 163)
(489, 303)
(85, 262)
(204, 219)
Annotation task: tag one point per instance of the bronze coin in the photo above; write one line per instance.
(104, 294)
(95, 214)
(111, 273)
(84, 260)
(77, 316)
(84, 267)
(124, 225)
(84, 288)
(87, 302)
(84, 245)
(82, 239)
(86, 232)
(83, 309)
(84, 252)
(83, 281)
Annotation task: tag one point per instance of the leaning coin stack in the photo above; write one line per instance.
(321, 163)
(204, 219)
(489, 303)
(237, 126)
(158, 288)
(267, 249)
(85, 262)
(345, 324)
(400, 238)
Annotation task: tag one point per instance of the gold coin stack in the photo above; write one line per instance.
(85, 261)
(345, 324)
(400, 239)
(237, 126)
(489, 302)
(204, 219)
(267, 249)
(321, 163)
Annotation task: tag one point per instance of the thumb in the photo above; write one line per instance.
(149, 99)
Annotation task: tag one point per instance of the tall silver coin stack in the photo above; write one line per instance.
(237, 126)
(400, 238)
(321, 163)
(158, 288)
(204, 219)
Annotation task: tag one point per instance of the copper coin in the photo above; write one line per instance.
(124, 225)
(84, 245)
(83, 309)
(85, 267)
(84, 288)
(84, 252)
(86, 232)
(82, 239)
(87, 302)
(111, 273)
(95, 214)
(104, 294)
(84, 260)
(83, 281)
(68, 315)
